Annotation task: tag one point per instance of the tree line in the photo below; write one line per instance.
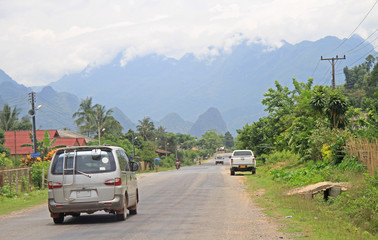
(307, 119)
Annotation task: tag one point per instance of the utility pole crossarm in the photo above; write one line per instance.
(333, 68)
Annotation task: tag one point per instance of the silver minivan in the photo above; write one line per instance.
(87, 179)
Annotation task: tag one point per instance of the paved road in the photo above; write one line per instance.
(198, 202)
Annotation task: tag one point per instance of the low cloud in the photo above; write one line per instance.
(42, 40)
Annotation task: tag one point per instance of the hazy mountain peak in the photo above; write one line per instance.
(173, 122)
(211, 119)
(4, 77)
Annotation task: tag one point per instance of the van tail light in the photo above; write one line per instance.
(52, 185)
(253, 160)
(232, 160)
(114, 182)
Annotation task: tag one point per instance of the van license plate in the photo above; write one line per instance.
(82, 194)
(242, 166)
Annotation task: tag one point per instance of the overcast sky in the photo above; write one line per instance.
(40, 40)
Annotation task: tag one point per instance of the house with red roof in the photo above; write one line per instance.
(15, 139)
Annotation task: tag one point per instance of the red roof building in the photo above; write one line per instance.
(15, 139)
(162, 152)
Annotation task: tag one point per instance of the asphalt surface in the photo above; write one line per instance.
(197, 202)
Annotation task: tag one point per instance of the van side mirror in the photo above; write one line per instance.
(134, 166)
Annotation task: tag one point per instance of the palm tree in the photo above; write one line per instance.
(336, 109)
(8, 118)
(161, 136)
(100, 117)
(146, 128)
(112, 126)
(84, 117)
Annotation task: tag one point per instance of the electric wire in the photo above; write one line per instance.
(51, 109)
(316, 67)
(364, 55)
(364, 41)
(357, 25)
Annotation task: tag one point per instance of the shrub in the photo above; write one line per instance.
(326, 152)
(36, 173)
(338, 145)
(350, 164)
(8, 191)
(360, 204)
(284, 156)
(4, 161)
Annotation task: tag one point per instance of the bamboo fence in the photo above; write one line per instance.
(15, 177)
(366, 151)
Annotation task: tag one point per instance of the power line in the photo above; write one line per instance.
(357, 26)
(364, 55)
(315, 68)
(365, 40)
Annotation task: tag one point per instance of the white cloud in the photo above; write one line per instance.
(42, 40)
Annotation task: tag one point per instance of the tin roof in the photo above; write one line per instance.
(15, 139)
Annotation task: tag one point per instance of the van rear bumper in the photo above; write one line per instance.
(89, 207)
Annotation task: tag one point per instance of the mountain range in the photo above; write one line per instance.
(187, 94)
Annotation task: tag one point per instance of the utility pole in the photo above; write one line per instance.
(333, 68)
(32, 114)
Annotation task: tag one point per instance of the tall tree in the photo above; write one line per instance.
(146, 129)
(23, 124)
(228, 140)
(160, 137)
(2, 140)
(84, 118)
(336, 108)
(112, 126)
(100, 117)
(8, 118)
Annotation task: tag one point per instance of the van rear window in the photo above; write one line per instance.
(84, 162)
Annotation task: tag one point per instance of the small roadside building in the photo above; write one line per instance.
(162, 152)
(15, 139)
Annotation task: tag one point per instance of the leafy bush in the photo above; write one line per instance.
(284, 156)
(8, 191)
(4, 161)
(36, 173)
(360, 204)
(319, 171)
(350, 164)
(298, 178)
(337, 146)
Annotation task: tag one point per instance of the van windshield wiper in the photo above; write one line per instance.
(85, 174)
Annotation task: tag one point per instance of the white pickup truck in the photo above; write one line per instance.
(242, 160)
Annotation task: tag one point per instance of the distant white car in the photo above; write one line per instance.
(242, 160)
(219, 159)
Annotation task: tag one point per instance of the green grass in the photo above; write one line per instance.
(22, 201)
(310, 219)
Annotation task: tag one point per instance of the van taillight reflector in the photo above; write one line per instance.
(52, 185)
(114, 182)
(108, 203)
(253, 159)
(232, 161)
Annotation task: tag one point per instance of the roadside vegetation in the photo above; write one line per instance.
(315, 134)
